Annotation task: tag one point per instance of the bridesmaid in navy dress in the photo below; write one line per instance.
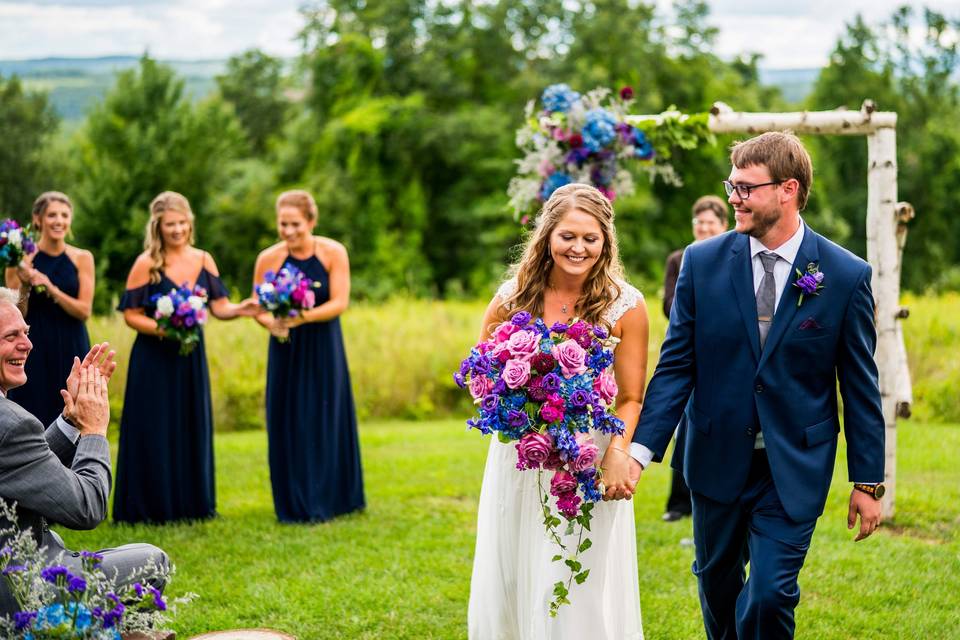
(165, 461)
(60, 282)
(311, 423)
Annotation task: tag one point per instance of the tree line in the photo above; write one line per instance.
(400, 115)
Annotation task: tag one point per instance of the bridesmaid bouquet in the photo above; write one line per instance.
(544, 388)
(287, 293)
(15, 243)
(181, 313)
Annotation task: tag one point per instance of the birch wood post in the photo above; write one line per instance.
(884, 238)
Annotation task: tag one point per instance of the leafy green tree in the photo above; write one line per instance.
(28, 123)
(253, 84)
(144, 138)
(918, 81)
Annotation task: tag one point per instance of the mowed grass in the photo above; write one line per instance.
(401, 568)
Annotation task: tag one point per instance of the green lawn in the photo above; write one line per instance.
(402, 568)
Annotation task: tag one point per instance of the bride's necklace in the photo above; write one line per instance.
(564, 305)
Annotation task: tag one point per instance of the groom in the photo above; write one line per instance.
(756, 344)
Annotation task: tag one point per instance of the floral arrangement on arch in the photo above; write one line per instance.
(544, 389)
(592, 139)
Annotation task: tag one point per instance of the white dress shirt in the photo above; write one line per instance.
(787, 253)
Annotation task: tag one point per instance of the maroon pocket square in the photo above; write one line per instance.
(809, 323)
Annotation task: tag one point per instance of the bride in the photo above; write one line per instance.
(569, 268)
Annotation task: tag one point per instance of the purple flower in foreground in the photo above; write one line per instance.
(810, 283)
(521, 318)
(51, 574)
(76, 584)
(13, 568)
(158, 601)
(23, 619)
(490, 402)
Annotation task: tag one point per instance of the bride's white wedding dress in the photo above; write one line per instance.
(513, 575)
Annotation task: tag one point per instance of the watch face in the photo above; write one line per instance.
(880, 490)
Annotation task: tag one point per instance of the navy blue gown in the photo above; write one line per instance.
(165, 459)
(57, 337)
(311, 423)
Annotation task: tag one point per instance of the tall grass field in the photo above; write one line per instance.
(401, 568)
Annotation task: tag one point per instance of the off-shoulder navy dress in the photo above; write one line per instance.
(57, 337)
(311, 423)
(165, 461)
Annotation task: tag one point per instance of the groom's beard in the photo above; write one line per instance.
(763, 221)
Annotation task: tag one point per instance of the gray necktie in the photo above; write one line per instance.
(766, 295)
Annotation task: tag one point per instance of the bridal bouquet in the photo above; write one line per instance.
(181, 313)
(545, 388)
(15, 243)
(60, 602)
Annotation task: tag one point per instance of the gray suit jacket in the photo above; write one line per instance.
(50, 478)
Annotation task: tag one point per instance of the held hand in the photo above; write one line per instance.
(40, 279)
(870, 510)
(278, 329)
(616, 469)
(25, 272)
(90, 411)
(248, 307)
(294, 321)
(636, 469)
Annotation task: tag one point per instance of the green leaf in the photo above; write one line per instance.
(573, 564)
(580, 577)
(556, 557)
(586, 544)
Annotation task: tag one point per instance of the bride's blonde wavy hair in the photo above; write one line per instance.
(532, 271)
(153, 239)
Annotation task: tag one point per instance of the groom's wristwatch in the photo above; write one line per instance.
(875, 491)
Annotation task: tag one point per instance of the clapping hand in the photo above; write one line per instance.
(100, 357)
(90, 409)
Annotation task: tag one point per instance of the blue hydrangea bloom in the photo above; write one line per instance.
(554, 182)
(558, 98)
(599, 130)
(642, 147)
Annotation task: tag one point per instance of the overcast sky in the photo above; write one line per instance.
(789, 34)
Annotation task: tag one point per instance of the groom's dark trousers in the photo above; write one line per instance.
(761, 505)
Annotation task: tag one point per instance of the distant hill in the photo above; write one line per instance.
(75, 84)
(794, 84)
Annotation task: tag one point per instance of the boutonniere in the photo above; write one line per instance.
(810, 282)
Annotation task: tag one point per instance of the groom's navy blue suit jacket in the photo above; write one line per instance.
(711, 357)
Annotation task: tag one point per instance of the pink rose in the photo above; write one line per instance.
(562, 482)
(503, 332)
(587, 458)
(553, 461)
(516, 373)
(571, 357)
(523, 344)
(309, 299)
(480, 386)
(535, 448)
(606, 386)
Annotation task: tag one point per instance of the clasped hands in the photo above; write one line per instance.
(85, 401)
(620, 474)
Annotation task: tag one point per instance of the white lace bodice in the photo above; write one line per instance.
(629, 297)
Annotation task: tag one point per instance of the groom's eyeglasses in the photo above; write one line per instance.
(743, 190)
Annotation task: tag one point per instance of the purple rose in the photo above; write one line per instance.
(579, 399)
(551, 382)
(535, 447)
(807, 283)
(516, 373)
(523, 344)
(562, 482)
(587, 457)
(490, 402)
(521, 318)
(558, 327)
(517, 419)
(600, 331)
(458, 378)
(571, 357)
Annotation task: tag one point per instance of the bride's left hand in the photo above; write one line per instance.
(616, 474)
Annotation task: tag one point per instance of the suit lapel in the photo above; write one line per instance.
(741, 276)
(787, 308)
